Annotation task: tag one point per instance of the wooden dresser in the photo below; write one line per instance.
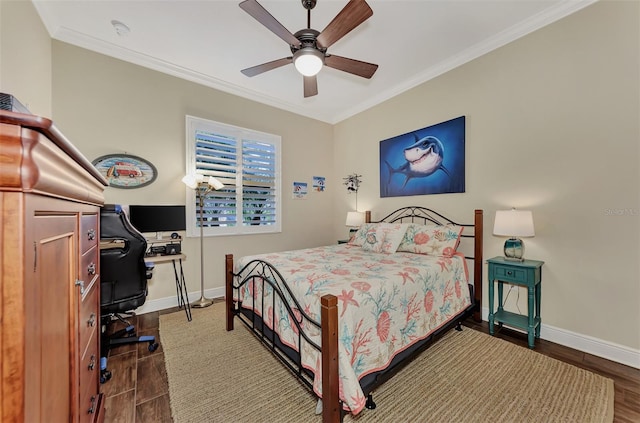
(50, 198)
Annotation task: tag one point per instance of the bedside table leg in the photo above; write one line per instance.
(491, 305)
(531, 309)
(538, 319)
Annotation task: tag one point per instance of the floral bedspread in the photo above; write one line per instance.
(386, 302)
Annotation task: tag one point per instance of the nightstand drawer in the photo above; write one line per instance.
(511, 274)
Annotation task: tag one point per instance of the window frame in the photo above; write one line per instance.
(240, 134)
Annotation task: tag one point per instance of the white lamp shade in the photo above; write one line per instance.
(354, 219)
(308, 61)
(214, 183)
(190, 180)
(514, 223)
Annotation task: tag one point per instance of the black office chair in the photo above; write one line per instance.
(123, 284)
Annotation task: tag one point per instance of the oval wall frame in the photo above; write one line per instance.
(126, 171)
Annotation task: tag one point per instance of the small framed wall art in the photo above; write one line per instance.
(126, 171)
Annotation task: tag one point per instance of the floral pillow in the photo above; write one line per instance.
(361, 234)
(433, 240)
(384, 237)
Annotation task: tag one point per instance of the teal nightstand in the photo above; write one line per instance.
(525, 273)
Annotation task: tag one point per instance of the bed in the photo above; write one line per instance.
(344, 318)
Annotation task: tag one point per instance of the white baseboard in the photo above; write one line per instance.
(609, 350)
(598, 347)
(169, 302)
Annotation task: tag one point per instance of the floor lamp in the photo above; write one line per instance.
(203, 186)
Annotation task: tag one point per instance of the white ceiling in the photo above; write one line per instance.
(210, 41)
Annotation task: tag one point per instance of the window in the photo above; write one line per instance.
(247, 162)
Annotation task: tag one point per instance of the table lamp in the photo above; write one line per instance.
(203, 186)
(354, 220)
(513, 223)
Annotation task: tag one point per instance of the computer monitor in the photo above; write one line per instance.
(157, 219)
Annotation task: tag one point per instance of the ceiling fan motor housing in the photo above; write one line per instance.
(307, 38)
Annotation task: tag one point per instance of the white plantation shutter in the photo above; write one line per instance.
(248, 164)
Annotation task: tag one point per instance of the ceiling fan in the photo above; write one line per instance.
(309, 47)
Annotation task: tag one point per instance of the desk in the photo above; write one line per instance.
(181, 287)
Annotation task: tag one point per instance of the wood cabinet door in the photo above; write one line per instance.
(50, 293)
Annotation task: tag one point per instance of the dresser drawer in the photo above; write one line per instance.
(88, 232)
(510, 274)
(89, 381)
(89, 319)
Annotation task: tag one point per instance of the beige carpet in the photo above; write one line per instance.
(468, 376)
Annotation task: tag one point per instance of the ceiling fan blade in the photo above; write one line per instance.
(310, 86)
(352, 15)
(261, 14)
(257, 70)
(356, 67)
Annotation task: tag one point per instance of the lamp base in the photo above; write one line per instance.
(514, 249)
(202, 302)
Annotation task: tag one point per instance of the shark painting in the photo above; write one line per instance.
(424, 157)
(415, 163)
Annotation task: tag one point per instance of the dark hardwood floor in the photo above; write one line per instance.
(138, 391)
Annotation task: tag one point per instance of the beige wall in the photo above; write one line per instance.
(108, 106)
(552, 126)
(25, 56)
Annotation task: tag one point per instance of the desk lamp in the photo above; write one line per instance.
(514, 223)
(203, 186)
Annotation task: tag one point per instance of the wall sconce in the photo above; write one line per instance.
(203, 186)
(514, 223)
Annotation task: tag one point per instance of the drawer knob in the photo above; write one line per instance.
(92, 409)
(91, 234)
(92, 320)
(509, 272)
(81, 285)
(91, 269)
(92, 363)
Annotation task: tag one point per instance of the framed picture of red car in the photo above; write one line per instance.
(125, 171)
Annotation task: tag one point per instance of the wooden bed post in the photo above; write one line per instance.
(330, 379)
(228, 295)
(367, 216)
(478, 262)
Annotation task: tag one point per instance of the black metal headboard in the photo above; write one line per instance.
(423, 215)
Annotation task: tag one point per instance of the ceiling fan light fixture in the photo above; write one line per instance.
(308, 61)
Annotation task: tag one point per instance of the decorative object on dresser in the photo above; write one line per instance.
(526, 273)
(202, 186)
(50, 285)
(514, 223)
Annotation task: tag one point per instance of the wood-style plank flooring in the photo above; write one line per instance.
(138, 391)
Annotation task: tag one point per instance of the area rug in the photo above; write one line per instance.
(468, 376)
